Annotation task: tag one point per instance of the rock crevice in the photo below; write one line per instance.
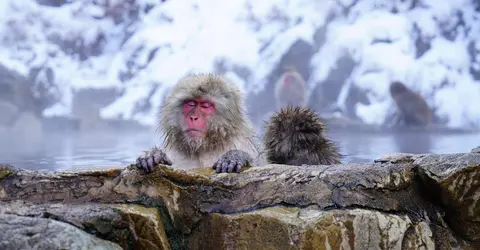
(398, 202)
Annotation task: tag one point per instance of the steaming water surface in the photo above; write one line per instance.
(52, 152)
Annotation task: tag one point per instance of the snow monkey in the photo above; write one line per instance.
(412, 109)
(294, 136)
(290, 89)
(204, 124)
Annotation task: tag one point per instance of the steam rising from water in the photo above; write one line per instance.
(61, 151)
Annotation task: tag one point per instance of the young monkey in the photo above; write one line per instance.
(294, 136)
(204, 124)
(290, 89)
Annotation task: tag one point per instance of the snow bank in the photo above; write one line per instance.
(383, 45)
(145, 55)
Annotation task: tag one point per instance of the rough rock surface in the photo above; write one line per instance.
(457, 188)
(131, 226)
(19, 232)
(400, 201)
(310, 228)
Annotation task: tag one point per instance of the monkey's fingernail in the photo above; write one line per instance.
(231, 167)
(153, 160)
(225, 166)
(144, 164)
(150, 167)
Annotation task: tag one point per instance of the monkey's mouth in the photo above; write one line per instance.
(195, 133)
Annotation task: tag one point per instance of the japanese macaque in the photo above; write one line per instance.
(412, 109)
(204, 124)
(290, 89)
(294, 136)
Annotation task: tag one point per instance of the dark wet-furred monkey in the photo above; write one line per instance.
(412, 109)
(295, 136)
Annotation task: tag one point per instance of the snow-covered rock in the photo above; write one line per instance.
(355, 48)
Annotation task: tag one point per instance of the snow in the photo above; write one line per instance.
(145, 57)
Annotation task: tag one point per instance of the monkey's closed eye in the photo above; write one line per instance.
(190, 103)
(206, 105)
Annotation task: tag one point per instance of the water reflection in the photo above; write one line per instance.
(63, 151)
(362, 148)
(415, 143)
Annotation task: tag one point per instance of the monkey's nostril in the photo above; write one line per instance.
(193, 117)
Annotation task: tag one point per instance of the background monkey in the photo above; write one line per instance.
(412, 109)
(290, 89)
(294, 136)
(204, 124)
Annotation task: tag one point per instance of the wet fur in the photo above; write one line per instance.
(294, 136)
(412, 109)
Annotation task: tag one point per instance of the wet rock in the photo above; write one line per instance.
(23, 232)
(131, 226)
(311, 228)
(401, 201)
(454, 180)
(396, 158)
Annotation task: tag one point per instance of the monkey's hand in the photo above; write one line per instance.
(232, 161)
(149, 159)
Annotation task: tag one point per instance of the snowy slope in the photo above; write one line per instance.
(145, 53)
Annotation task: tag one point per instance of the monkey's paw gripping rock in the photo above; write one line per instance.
(151, 158)
(232, 161)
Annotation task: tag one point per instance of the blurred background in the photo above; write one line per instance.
(80, 81)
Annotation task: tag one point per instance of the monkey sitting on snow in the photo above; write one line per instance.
(294, 136)
(204, 124)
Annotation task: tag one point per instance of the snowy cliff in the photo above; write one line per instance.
(349, 50)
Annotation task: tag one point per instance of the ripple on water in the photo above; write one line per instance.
(63, 151)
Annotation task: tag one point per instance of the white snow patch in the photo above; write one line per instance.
(177, 38)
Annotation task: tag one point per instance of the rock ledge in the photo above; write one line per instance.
(400, 201)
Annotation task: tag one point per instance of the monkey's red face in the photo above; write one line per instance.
(197, 112)
(288, 81)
